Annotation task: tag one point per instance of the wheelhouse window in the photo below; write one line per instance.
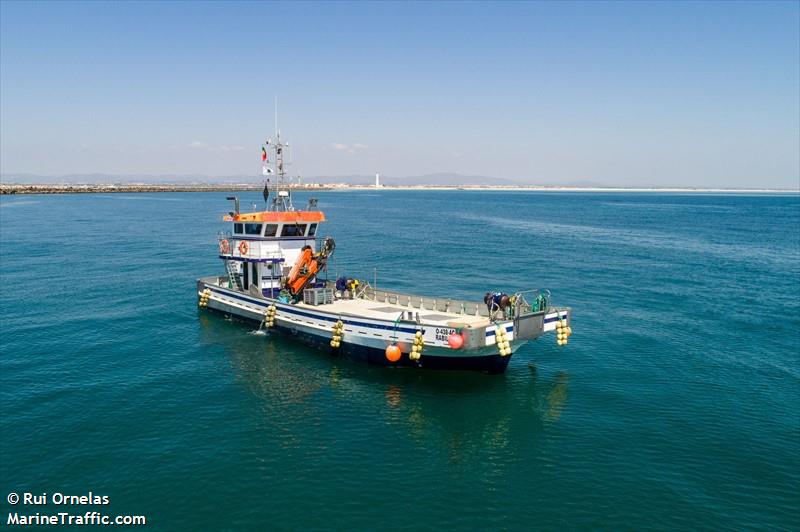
(237, 229)
(252, 229)
(270, 229)
(293, 230)
(312, 230)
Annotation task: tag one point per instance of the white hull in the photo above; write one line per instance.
(365, 334)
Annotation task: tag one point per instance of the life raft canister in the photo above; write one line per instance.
(224, 246)
(243, 247)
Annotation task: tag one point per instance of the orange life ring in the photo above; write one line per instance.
(224, 246)
(243, 247)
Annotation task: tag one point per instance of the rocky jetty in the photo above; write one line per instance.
(105, 189)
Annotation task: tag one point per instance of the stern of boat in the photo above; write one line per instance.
(534, 316)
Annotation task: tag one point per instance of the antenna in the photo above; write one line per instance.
(282, 201)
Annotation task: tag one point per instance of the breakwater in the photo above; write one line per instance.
(105, 189)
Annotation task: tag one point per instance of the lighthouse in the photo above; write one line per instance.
(377, 180)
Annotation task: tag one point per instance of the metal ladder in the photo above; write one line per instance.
(234, 278)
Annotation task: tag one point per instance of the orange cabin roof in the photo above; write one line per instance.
(277, 217)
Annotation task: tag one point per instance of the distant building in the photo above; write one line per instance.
(377, 180)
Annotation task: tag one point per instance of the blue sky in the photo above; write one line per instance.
(641, 93)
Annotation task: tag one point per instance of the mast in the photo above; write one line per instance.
(282, 200)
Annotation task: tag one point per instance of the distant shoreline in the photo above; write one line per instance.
(133, 188)
(535, 188)
(6, 189)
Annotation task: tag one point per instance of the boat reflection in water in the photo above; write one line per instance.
(462, 413)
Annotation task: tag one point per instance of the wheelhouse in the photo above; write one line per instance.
(260, 247)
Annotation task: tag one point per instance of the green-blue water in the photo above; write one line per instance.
(676, 404)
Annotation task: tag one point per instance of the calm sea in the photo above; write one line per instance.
(676, 404)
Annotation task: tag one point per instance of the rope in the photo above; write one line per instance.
(396, 324)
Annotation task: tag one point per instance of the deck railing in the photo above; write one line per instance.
(458, 306)
(255, 250)
(526, 301)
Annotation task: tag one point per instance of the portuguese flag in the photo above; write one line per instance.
(263, 153)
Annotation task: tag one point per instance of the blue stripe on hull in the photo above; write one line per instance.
(332, 319)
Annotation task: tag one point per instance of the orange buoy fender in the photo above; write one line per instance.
(224, 246)
(393, 353)
(243, 247)
(455, 341)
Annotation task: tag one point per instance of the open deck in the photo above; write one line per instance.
(368, 308)
(394, 306)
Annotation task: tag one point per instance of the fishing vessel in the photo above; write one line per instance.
(275, 273)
